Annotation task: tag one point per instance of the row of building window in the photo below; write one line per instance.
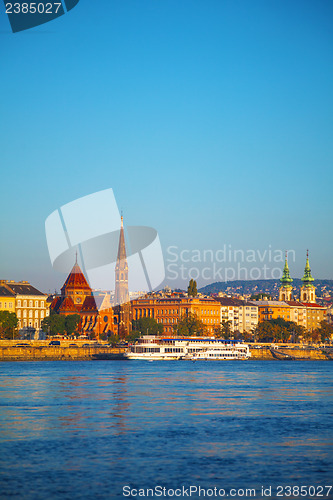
(169, 329)
(24, 323)
(25, 303)
(24, 314)
(164, 312)
(167, 320)
(175, 320)
(236, 311)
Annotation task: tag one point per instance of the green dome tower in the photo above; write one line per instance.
(308, 290)
(286, 287)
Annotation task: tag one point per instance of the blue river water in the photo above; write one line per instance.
(128, 429)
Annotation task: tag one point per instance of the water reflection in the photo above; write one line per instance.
(87, 428)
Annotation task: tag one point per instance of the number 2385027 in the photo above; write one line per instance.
(32, 8)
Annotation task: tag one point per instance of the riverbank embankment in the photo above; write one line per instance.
(290, 353)
(39, 351)
(35, 350)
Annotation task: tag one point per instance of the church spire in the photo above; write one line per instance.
(307, 278)
(308, 290)
(121, 247)
(286, 283)
(286, 278)
(121, 295)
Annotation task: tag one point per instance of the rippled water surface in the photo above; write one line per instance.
(83, 430)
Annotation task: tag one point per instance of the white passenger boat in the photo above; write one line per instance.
(150, 347)
(227, 351)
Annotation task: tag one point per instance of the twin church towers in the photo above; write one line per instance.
(308, 290)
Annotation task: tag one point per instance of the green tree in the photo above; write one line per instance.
(279, 330)
(71, 323)
(297, 332)
(265, 332)
(325, 331)
(147, 326)
(134, 335)
(308, 335)
(189, 326)
(192, 290)
(313, 335)
(224, 330)
(261, 296)
(54, 324)
(113, 339)
(8, 324)
(280, 333)
(247, 336)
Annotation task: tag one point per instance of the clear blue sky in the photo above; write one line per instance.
(211, 120)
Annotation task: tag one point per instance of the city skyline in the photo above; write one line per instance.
(212, 124)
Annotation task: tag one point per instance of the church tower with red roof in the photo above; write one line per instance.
(76, 286)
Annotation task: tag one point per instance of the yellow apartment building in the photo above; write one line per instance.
(7, 299)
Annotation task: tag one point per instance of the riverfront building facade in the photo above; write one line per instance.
(101, 316)
(77, 297)
(169, 310)
(305, 311)
(7, 299)
(241, 314)
(98, 315)
(29, 304)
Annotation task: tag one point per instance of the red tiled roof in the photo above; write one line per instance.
(75, 279)
(294, 303)
(229, 301)
(67, 305)
(309, 304)
(89, 304)
(55, 304)
(64, 304)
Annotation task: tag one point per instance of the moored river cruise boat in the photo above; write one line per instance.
(151, 347)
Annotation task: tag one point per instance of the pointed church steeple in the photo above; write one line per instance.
(286, 279)
(286, 282)
(121, 247)
(307, 278)
(76, 286)
(121, 271)
(308, 290)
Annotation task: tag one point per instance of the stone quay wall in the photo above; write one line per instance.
(37, 350)
(63, 353)
(293, 352)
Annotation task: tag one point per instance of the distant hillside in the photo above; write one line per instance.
(270, 287)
